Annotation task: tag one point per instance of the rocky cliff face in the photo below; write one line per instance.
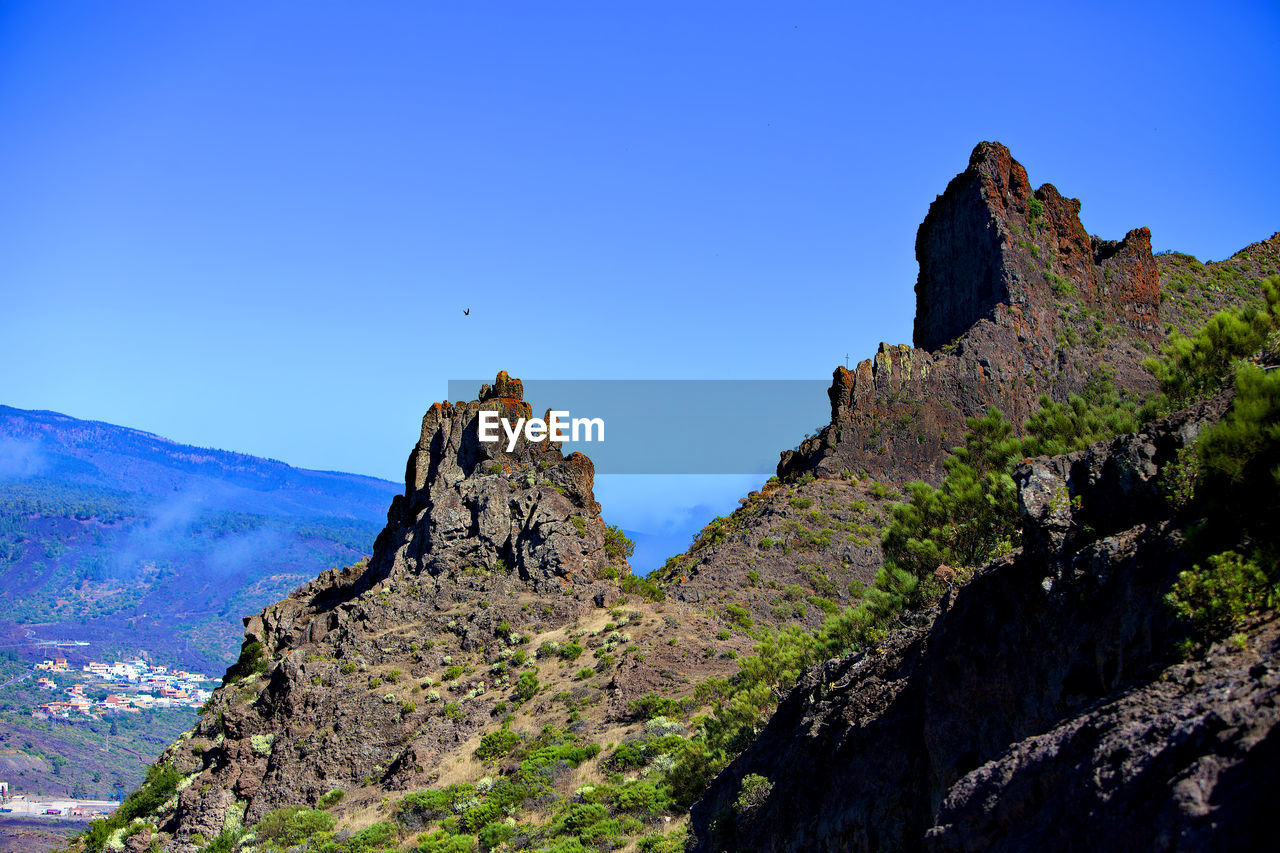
(1036, 707)
(1029, 683)
(991, 330)
(382, 676)
(1014, 299)
(992, 239)
(469, 503)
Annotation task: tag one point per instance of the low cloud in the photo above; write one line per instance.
(20, 458)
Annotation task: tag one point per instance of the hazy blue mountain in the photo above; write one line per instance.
(134, 542)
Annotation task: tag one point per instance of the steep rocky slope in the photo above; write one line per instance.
(494, 574)
(494, 676)
(791, 553)
(1014, 300)
(1037, 706)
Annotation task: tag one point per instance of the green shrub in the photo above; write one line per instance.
(225, 842)
(292, 825)
(584, 815)
(452, 673)
(252, 661)
(643, 587)
(497, 744)
(880, 490)
(1240, 461)
(474, 819)
(1060, 286)
(752, 794)
(642, 797)
(422, 807)
(968, 520)
(739, 615)
(1196, 366)
(526, 687)
(617, 547)
(160, 784)
(673, 843)
(1099, 414)
(495, 835)
(652, 705)
(373, 837)
(331, 799)
(446, 842)
(1218, 596)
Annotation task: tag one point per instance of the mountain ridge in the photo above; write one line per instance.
(429, 695)
(111, 526)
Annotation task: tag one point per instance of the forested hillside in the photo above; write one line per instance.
(137, 544)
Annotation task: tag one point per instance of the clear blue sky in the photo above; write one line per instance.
(255, 225)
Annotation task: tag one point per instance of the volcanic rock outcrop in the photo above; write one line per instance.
(1037, 706)
(905, 404)
(1014, 299)
(485, 550)
(520, 509)
(1036, 697)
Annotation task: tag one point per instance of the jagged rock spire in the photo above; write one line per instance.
(991, 239)
(1013, 299)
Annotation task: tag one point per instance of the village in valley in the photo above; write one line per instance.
(132, 686)
(77, 733)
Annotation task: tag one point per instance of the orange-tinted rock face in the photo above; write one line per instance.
(1014, 299)
(989, 239)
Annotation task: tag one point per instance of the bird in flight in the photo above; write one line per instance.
(466, 312)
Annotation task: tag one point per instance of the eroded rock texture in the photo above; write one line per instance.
(1014, 299)
(484, 543)
(1036, 707)
(985, 262)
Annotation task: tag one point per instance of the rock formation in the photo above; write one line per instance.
(1040, 695)
(346, 683)
(1036, 707)
(895, 415)
(469, 503)
(991, 240)
(1013, 300)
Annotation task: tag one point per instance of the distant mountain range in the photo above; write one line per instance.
(136, 543)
